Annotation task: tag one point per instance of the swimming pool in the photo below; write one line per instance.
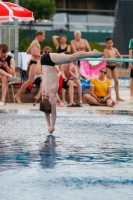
(123, 82)
(90, 157)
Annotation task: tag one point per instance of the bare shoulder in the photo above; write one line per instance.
(85, 40)
(115, 49)
(12, 60)
(74, 66)
(34, 43)
(72, 41)
(105, 50)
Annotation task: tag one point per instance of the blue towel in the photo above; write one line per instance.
(85, 84)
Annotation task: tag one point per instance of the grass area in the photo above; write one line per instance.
(24, 44)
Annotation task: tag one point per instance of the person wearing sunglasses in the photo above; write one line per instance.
(100, 90)
(46, 49)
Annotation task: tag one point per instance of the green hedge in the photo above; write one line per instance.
(24, 43)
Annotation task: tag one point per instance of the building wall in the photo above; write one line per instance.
(86, 4)
(86, 15)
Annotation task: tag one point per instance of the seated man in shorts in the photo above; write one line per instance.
(67, 84)
(100, 91)
(70, 72)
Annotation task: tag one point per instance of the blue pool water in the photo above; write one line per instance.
(90, 157)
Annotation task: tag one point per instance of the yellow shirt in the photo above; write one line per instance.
(101, 87)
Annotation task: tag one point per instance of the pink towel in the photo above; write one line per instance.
(89, 71)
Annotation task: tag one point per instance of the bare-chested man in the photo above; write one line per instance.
(34, 50)
(50, 79)
(111, 52)
(70, 72)
(79, 44)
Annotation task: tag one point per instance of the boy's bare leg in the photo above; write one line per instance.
(115, 77)
(64, 58)
(50, 128)
(109, 73)
(30, 80)
(131, 88)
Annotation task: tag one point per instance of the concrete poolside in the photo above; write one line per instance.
(124, 93)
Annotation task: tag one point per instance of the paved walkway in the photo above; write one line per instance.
(124, 93)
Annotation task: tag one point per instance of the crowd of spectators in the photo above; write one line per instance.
(100, 87)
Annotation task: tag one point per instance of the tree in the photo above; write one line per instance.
(42, 9)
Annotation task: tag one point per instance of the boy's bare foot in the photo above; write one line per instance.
(18, 99)
(50, 129)
(96, 51)
(119, 99)
(131, 98)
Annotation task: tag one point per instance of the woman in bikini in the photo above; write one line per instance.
(60, 44)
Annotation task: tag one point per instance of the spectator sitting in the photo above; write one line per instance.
(7, 70)
(64, 83)
(100, 90)
(70, 72)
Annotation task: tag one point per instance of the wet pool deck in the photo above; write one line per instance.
(124, 93)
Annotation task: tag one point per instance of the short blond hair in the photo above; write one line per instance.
(47, 48)
(40, 32)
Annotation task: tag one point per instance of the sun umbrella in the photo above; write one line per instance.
(8, 10)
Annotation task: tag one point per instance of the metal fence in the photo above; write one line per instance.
(8, 36)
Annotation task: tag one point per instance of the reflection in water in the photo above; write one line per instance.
(13, 154)
(47, 152)
(93, 150)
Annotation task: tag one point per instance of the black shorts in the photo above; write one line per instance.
(64, 85)
(33, 62)
(111, 67)
(131, 73)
